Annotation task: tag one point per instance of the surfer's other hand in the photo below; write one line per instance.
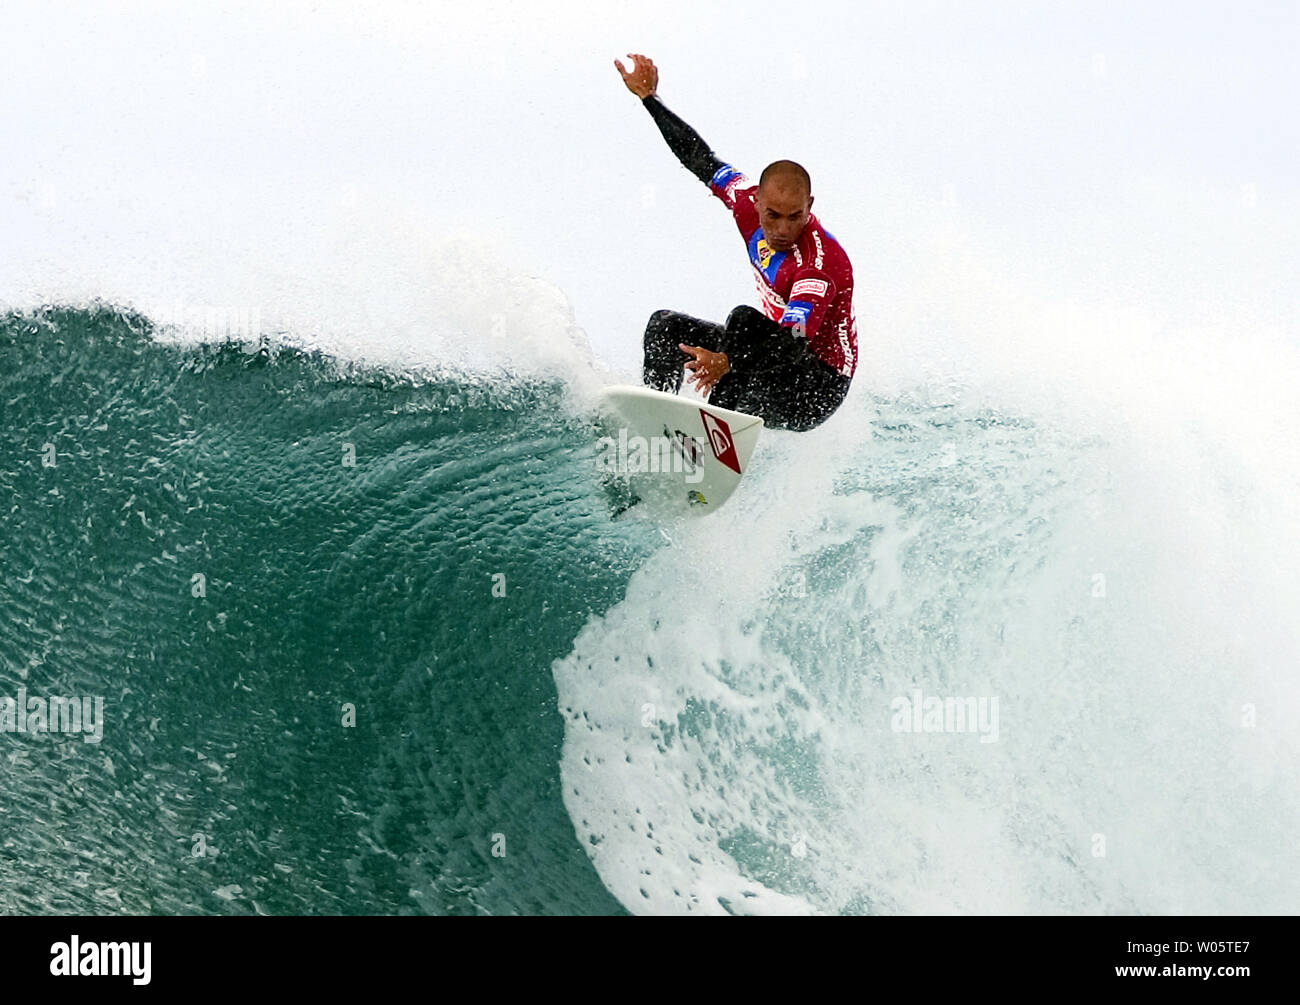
(707, 368)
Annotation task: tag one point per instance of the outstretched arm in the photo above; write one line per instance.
(695, 155)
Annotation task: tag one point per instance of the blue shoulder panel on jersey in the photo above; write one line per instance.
(774, 259)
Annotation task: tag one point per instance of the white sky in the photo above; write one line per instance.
(1139, 153)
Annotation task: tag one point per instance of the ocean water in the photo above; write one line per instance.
(233, 542)
(225, 781)
(303, 312)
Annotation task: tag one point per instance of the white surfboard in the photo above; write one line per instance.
(678, 455)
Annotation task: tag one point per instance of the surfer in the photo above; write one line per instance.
(792, 363)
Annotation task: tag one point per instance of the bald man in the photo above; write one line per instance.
(792, 362)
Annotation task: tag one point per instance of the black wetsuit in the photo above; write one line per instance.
(773, 372)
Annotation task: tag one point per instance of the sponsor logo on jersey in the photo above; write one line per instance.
(846, 347)
(766, 260)
(796, 312)
(719, 433)
(817, 240)
(809, 287)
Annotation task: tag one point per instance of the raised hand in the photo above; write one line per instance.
(643, 79)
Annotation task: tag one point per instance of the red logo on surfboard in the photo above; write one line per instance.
(719, 433)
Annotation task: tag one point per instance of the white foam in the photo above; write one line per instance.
(1123, 778)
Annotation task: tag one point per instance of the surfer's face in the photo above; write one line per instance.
(783, 209)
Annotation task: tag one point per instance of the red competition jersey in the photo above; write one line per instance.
(811, 284)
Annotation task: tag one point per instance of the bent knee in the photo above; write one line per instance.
(659, 322)
(660, 319)
(741, 315)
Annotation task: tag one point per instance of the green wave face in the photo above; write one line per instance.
(238, 551)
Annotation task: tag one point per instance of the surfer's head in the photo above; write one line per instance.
(784, 203)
